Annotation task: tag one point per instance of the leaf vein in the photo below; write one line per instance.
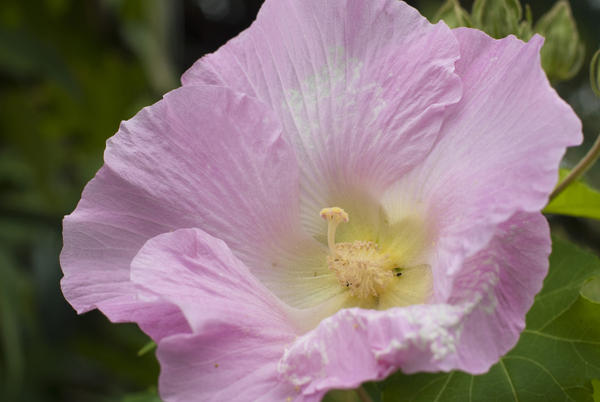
(558, 338)
(426, 386)
(583, 358)
(543, 368)
(510, 382)
(561, 312)
(471, 389)
(437, 398)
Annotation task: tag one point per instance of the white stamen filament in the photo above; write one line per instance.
(333, 216)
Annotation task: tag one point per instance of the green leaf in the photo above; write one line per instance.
(150, 395)
(341, 395)
(558, 354)
(371, 389)
(591, 290)
(576, 200)
(596, 384)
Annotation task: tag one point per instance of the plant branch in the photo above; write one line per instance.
(363, 395)
(583, 165)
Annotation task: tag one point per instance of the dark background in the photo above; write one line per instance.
(70, 71)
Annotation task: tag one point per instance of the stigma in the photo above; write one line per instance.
(359, 266)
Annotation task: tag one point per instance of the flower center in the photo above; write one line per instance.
(359, 265)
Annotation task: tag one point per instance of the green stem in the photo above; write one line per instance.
(363, 395)
(583, 165)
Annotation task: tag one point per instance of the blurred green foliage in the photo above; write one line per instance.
(67, 80)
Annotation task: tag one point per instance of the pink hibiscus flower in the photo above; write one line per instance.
(429, 153)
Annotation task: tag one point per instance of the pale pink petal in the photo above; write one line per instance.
(499, 150)
(202, 157)
(481, 322)
(239, 328)
(218, 158)
(359, 86)
(101, 237)
(246, 371)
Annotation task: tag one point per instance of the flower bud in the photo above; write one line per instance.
(453, 15)
(563, 52)
(525, 31)
(498, 18)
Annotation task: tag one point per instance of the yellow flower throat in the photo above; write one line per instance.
(358, 265)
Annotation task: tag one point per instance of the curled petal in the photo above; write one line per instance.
(506, 276)
(481, 322)
(239, 329)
